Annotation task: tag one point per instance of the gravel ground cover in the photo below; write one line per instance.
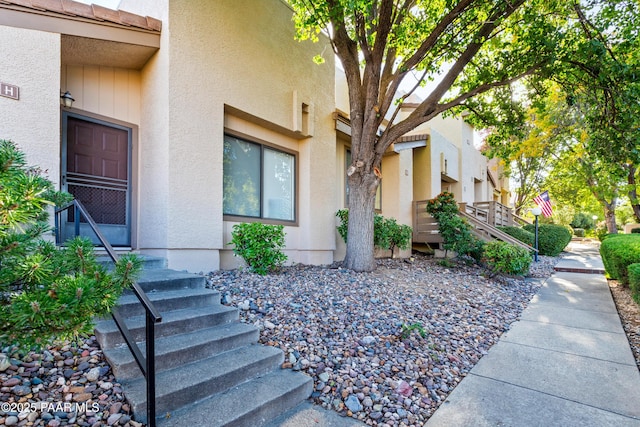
(344, 329)
(384, 347)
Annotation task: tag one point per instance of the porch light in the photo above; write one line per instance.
(66, 99)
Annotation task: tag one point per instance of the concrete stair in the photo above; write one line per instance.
(209, 368)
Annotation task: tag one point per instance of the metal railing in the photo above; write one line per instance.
(146, 362)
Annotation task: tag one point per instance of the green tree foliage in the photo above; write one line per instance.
(467, 47)
(46, 293)
(586, 106)
(455, 230)
(259, 245)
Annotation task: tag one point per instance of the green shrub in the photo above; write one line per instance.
(634, 281)
(519, 233)
(582, 220)
(387, 233)
(602, 232)
(578, 232)
(455, 230)
(46, 293)
(552, 238)
(635, 230)
(618, 253)
(260, 246)
(505, 258)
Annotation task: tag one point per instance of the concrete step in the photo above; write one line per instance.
(173, 322)
(195, 381)
(148, 261)
(178, 350)
(164, 280)
(253, 403)
(129, 305)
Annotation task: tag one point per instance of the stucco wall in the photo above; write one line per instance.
(31, 61)
(241, 54)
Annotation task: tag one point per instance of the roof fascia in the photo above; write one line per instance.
(19, 17)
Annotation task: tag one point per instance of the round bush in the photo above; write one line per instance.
(552, 238)
(634, 281)
(618, 253)
(519, 233)
(505, 258)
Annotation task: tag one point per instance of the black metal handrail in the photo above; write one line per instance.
(152, 315)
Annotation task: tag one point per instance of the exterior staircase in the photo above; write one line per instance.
(209, 368)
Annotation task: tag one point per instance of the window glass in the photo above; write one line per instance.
(278, 185)
(241, 177)
(258, 181)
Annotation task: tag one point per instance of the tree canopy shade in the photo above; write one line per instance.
(464, 47)
(587, 108)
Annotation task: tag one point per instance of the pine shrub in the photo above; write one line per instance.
(46, 293)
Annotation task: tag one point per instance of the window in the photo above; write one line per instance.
(258, 181)
(378, 202)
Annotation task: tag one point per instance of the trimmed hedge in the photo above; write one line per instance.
(634, 281)
(552, 238)
(618, 254)
(635, 230)
(519, 233)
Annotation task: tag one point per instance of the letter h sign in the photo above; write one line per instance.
(9, 91)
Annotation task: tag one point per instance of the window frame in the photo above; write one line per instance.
(271, 146)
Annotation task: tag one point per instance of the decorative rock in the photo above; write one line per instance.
(11, 420)
(269, 325)
(353, 404)
(4, 363)
(113, 419)
(93, 374)
(324, 377)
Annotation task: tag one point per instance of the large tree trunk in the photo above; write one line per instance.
(360, 250)
(610, 216)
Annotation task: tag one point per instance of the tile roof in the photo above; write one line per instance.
(92, 12)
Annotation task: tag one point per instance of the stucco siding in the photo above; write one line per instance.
(31, 61)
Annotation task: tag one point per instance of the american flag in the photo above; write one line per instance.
(544, 203)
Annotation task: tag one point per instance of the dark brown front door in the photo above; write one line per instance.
(96, 171)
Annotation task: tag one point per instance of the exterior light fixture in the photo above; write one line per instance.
(66, 99)
(536, 212)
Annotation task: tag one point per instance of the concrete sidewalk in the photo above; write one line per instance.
(567, 362)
